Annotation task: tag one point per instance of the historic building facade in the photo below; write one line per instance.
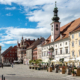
(21, 48)
(9, 55)
(39, 52)
(29, 51)
(35, 54)
(59, 39)
(75, 43)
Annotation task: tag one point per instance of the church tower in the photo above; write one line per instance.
(55, 25)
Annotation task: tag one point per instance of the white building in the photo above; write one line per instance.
(59, 39)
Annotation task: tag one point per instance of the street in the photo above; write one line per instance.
(22, 72)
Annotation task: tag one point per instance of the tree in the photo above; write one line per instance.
(61, 60)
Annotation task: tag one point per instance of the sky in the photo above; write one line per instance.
(31, 18)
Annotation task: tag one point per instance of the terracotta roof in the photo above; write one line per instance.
(37, 42)
(35, 48)
(77, 29)
(65, 30)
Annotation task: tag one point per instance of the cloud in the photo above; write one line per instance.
(9, 14)
(10, 8)
(43, 10)
(11, 42)
(1, 44)
(15, 34)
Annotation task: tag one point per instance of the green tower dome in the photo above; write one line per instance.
(55, 18)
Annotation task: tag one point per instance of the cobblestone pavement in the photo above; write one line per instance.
(24, 71)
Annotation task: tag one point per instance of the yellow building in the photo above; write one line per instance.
(75, 44)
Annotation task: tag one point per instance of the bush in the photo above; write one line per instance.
(75, 68)
(30, 61)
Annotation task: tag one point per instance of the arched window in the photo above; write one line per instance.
(56, 26)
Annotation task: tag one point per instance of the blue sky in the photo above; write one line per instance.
(32, 18)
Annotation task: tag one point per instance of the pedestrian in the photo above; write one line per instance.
(12, 65)
(2, 65)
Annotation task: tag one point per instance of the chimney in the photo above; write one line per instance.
(60, 36)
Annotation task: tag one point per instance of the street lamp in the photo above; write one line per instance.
(50, 55)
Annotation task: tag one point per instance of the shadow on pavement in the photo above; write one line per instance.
(11, 74)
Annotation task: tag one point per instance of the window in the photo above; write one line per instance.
(73, 44)
(66, 50)
(56, 51)
(79, 34)
(60, 51)
(72, 53)
(72, 36)
(10, 54)
(60, 44)
(79, 52)
(79, 42)
(42, 54)
(56, 26)
(66, 43)
(7, 54)
(47, 53)
(13, 54)
(56, 45)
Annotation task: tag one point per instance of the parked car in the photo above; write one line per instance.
(6, 64)
(17, 62)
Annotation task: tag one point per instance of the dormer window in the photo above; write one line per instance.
(56, 26)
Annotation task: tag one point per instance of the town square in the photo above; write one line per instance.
(42, 41)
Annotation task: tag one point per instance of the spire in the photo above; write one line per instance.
(55, 18)
(55, 3)
(22, 37)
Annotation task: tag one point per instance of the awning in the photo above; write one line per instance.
(45, 60)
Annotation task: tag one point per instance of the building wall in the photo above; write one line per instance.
(29, 54)
(39, 52)
(11, 55)
(34, 54)
(45, 50)
(76, 46)
(61, 44)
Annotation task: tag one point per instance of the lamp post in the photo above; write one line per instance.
(50, 55)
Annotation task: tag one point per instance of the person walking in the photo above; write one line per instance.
(2, 65)
(12, 65)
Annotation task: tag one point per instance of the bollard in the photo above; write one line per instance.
(2, 77)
